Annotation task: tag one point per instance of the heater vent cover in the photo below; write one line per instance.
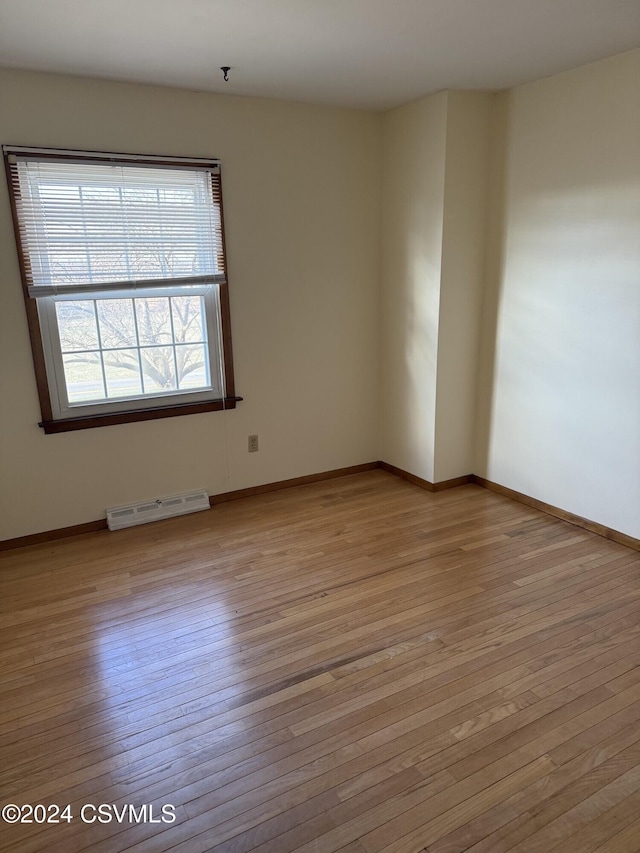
(145, 511)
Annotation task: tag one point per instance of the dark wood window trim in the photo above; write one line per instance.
(135, 415)
(53, 426)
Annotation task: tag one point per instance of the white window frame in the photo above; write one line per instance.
(61, 406)
(58, 412)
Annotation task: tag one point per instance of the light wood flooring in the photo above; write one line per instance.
(355, 665)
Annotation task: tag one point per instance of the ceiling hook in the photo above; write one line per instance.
(225, 70)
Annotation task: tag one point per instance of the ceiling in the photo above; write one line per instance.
(371, 54)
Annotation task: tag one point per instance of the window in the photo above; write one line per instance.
(124, 276)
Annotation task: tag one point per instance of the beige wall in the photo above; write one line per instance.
(434, 190)
(521, 208)
(302, 219)
(561, 349)
(462, 278)
(414, 142)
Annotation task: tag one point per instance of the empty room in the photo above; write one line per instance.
(320, 426)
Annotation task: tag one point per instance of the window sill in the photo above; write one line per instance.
(91, 421)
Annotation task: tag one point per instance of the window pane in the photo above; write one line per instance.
(77, 325)
(109, 264)
(188, 318)
(83, 375)
(159, 369)
(154, 320)
(122, 372)
(117, 324)
(192, 366)
(68, 264)
(109, 326)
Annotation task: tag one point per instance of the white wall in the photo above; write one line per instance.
(563, 423)
(414, 141)
(301, 193)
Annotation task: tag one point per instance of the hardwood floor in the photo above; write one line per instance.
(355, 665)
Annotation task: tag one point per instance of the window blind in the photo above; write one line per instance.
(87, 225)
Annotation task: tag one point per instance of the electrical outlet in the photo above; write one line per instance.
(253, 443)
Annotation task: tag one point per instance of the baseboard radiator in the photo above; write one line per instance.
(131, 515)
